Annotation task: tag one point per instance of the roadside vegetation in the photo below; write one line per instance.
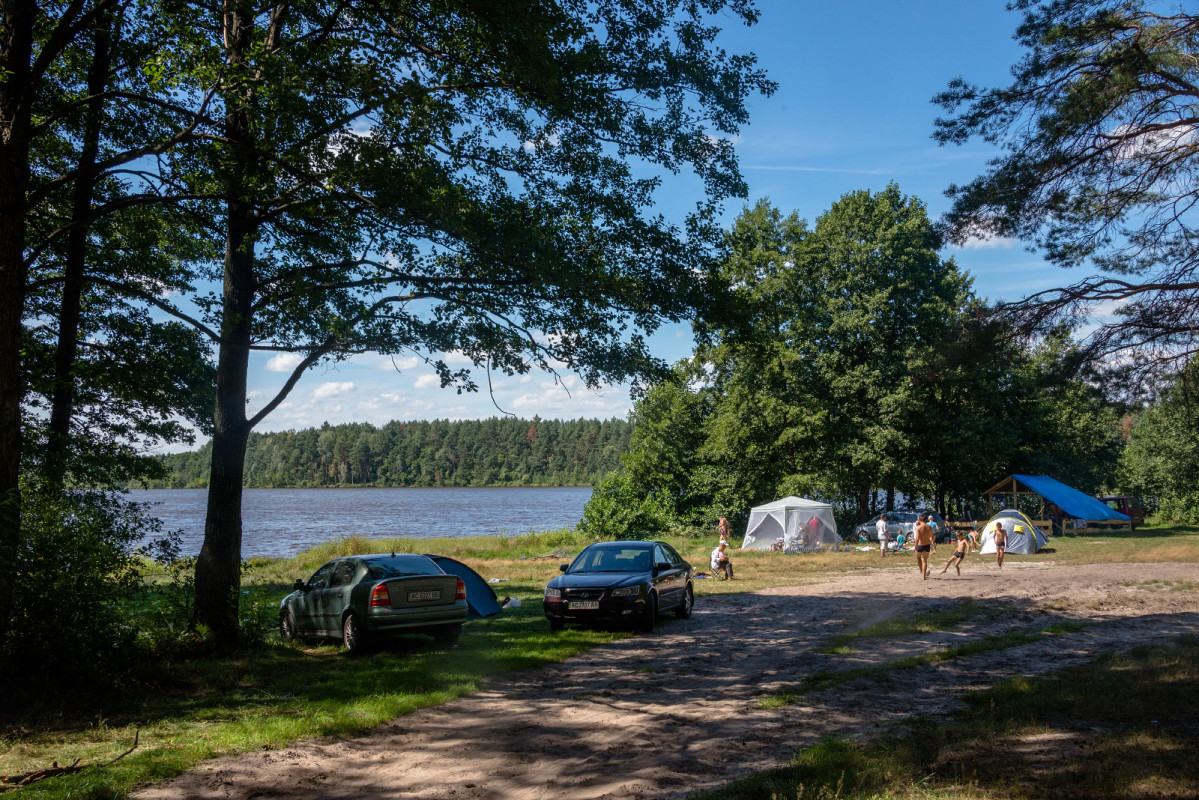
(191, 705)
(1072, 735)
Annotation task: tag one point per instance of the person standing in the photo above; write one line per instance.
(1000, 539)
(723, 530)
(884, 536)
(924, 544)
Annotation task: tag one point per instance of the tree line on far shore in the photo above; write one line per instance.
(501, 451)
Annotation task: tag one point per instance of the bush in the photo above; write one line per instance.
(69, 639)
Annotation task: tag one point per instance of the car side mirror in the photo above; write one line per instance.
(563, 567)
(299, 586)
(661, 566)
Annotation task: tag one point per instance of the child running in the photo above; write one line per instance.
(958, 556)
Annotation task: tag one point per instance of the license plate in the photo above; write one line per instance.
(433, 595)
(583, 605)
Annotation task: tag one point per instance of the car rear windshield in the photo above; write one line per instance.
(401, 566)
(614, 559)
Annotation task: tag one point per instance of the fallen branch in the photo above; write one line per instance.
(26, 778)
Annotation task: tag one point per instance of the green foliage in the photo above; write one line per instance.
(493, 452)
(1161, 462)
(1097, 166)
(69, 641)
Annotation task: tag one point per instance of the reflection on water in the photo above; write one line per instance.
(281, 522)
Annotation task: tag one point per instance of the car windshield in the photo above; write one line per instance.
(401, 566)
(613, 559)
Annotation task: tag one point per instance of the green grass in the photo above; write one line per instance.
(193, 710)
(1121, 727)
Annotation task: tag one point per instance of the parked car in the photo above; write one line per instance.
(1126, 504)
(898, 521)
(625, 583)
(359, 599)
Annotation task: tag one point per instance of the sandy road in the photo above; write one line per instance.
(663, 716)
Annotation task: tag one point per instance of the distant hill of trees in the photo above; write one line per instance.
(490, 452)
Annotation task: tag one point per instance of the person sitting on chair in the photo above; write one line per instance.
(721, 562)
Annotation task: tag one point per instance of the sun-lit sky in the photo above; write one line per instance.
(852, 111)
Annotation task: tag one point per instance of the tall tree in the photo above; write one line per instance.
(1098, 167)
(457, 175)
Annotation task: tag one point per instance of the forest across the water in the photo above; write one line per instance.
(501, 451)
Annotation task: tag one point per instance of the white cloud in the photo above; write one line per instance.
(392, 364)
(988, 243)
(456, 357)
(332, 389)
(427, 382)
(284, 362)
(526, 378)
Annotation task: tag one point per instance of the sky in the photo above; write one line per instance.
(852, 111)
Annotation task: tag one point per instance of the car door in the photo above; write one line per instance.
(669, 586)
(305, 606)
(336, 596)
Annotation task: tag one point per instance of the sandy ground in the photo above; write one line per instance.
(664, 715)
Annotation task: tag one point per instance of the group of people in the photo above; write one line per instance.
(721, 563)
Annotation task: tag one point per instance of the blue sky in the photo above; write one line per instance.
(852, 111)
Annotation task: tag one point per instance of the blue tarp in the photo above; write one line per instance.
(480, 597)
(1076, 504)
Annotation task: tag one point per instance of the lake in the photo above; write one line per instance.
(281, 522)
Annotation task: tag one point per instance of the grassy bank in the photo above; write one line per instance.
(201, 707)
(1075, 735)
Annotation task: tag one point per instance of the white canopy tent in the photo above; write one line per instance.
(794, 522)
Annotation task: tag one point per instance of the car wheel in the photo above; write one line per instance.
(556, 625)
(684, 609)
(650, 615)
(353, 638)
(448, 635)
(287, 626)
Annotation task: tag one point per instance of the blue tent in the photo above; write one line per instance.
(480, 597)
(1076, 504)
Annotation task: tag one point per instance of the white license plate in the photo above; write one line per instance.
(434, 595)
(583, 605)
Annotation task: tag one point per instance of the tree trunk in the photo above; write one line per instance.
(62, 402)
(16, 49)
(891, 499)
(218, 569)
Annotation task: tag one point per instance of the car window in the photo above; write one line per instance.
(320, 578)
(612, 559)
(660, 555)
(343, 574)
(402, 566)
(672, 556)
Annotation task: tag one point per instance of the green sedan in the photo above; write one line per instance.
(359, 599)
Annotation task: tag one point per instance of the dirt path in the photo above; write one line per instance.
(666, 715)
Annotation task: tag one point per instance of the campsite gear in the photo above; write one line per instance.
(802, 524)
(480, 597)
(1076, 504)
(1023, 538)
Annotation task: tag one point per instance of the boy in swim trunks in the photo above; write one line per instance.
(924, 544)
(958, 555)
(1000, 537)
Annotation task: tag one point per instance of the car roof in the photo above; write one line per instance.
(625, 543)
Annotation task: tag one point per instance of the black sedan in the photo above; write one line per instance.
(359, 598)
(627, 583)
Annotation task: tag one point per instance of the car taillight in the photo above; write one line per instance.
(380, 596)
(461, 593)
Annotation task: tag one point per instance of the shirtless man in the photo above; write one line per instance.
(924, 544)
(1000, 537)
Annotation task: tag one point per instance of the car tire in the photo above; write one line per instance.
(287, 626)
(684, 609)
(556, 625)
(353, 638)
(650, 615)
(447, 636)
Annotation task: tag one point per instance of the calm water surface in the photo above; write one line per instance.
(281, 522)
